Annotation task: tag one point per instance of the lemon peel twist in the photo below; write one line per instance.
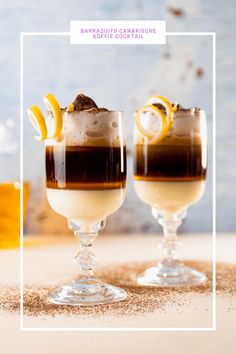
(37, 119)
(70, 107)
(52, 104)
(157, 136)
(165, 118)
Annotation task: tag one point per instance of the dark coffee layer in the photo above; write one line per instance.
(85, 167)
(168, 162)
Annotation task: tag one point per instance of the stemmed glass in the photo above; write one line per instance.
(169, 175)
(85, 180)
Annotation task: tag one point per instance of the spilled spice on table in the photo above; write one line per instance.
(141, 300)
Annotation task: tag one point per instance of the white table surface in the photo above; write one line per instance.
(44, 259)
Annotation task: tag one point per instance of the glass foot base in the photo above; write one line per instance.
(86, 293)
(171, 275)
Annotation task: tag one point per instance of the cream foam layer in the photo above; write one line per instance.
(169, 197)
(187, 122)
(89, 128)
(88, 207)
(187, 128)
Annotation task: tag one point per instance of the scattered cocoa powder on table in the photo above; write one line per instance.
(141, 300)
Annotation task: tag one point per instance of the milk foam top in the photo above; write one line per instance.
(187, 122)
(186, 126)
(88, 125)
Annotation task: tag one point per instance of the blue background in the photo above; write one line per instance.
(122, 78)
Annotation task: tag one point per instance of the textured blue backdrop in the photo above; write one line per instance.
(122, 77)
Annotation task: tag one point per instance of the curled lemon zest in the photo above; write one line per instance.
(166, 104)
(154, 136)
(37, 119)
(70, 107)
(52, 104)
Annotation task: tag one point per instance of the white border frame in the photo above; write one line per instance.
(112, 329)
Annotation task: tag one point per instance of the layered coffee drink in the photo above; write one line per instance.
(170, 161)
(85, 182)
(86, 168)
(170, 174)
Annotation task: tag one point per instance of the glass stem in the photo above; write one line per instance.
(170, 243)
(86, 258)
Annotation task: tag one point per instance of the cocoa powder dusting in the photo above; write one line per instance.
(141, 300)
(83, 102)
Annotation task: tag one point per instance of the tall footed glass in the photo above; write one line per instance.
(169, 175)
(85, 180)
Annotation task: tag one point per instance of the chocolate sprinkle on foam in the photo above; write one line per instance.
(141, 300)
(82, 103)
